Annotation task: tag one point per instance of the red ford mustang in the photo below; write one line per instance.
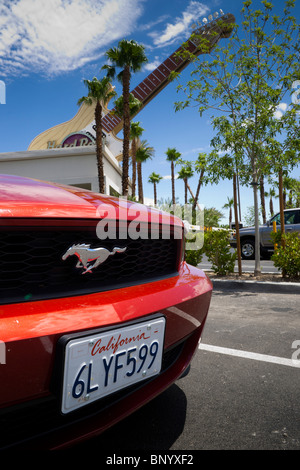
(99, 311)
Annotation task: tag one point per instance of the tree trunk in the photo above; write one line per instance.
(185, 191)
(238, 195)
(237, 228)
(133, 161)
(262, 199)
(271, 207)
(257, 267)
(140, 182)
(193, 197)
(99, 147)
(155, 195)
(283, 197)
(126, 130)
(198, 190)
(281, 206)
(173, 183)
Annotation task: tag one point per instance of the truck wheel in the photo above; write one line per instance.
(248, 249)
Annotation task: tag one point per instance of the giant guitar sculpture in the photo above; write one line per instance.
(80, 128)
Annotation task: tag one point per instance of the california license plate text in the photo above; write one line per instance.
(96, 366)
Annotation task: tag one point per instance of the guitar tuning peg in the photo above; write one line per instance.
(221, 12)
(204, 20)
(210, 17)
(216, 14)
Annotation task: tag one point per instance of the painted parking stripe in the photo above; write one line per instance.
(250, 355)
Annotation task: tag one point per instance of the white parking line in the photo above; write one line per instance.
(249, 355)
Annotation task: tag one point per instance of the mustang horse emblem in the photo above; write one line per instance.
(86, 255)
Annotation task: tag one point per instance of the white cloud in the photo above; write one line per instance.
(193, 151)
(150, 25)
(181, 26)
(169, 177)
(152, 65)
(54, 36)
(280, 110)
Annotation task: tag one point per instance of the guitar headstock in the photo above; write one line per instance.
(217, 23)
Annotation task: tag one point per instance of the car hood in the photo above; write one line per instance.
(25, 197)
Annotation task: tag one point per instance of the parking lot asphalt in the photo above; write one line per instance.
(283, 287)
(252, 383)
(242, 392)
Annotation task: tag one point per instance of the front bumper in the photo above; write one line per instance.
(30, 409)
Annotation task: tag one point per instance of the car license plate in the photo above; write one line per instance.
(100, 364)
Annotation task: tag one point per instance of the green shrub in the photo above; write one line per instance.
(194, 257)
(217, 250)
(276, 237)
(288, 259)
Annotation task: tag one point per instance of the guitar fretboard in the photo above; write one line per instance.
(159, 78)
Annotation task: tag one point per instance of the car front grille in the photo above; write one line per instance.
(32, 268)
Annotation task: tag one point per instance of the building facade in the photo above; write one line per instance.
(66, 154)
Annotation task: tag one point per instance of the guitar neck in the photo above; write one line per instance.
(160, 77)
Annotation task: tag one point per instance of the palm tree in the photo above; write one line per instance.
(271, 194)
(172, 156)
(185, 173)
(262, 198)
(130, 57)
(229, 205)
(200, 167)
(135, 133)
(296, 193)
(134, 106)
(154, 178)
(143, 153)
(99, 93)
(289, 187)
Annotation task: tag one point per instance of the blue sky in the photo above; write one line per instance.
(47, 48)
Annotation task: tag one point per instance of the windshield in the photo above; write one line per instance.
(290, 217)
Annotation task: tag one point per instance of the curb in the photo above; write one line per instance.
(257, 286)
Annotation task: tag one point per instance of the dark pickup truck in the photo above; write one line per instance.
(247, 234)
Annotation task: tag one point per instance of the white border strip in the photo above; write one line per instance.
(249, 355)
